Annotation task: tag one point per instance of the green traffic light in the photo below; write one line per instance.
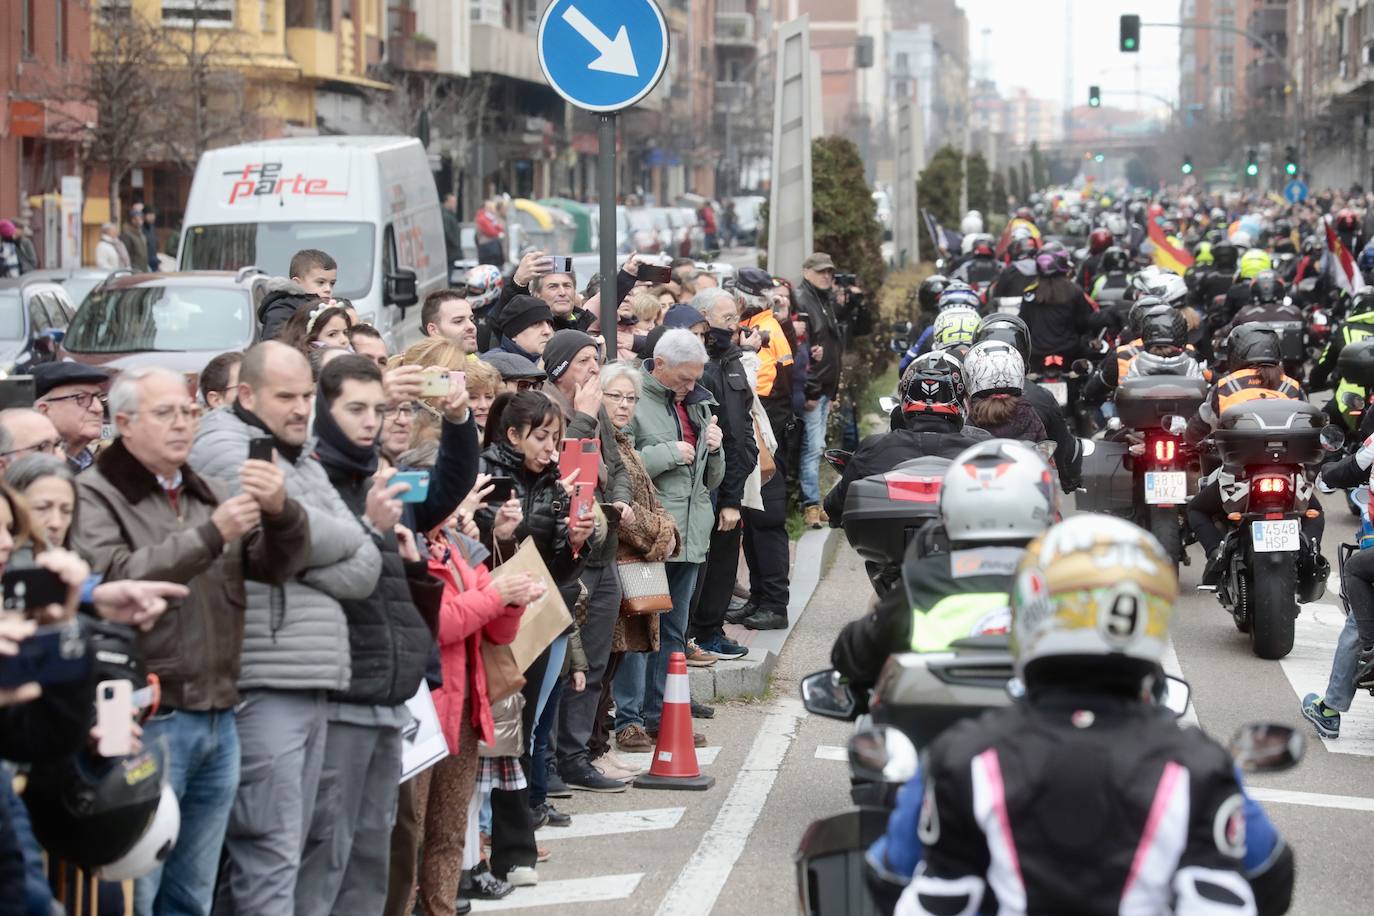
(1128, 44)
(1291, 168)
(1187, 168)
(1099, 157)
(1252, 170)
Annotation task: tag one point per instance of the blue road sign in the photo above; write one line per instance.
(1295, 192)
(603, 55)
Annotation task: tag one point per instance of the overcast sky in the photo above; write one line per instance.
(1025, 48)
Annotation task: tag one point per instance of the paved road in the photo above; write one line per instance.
(729, 850)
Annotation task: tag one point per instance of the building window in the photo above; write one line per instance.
(114, 10)
(60, 29)
(212, 13)
(26, 26)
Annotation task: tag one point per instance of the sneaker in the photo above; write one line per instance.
(811, 517)
(622, 764)
(723, 646)
(1324, 719)
(556, 787)
(737, 613)
(551, 816)
(522, 876)
(607, 768)
(461, 907)
(634, 739)
(698, 739)
(481, 884)
(702, 711)
(698, 657)
(589, 780)
(766, 620)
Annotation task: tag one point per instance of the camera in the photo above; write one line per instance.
(846, 280)
(764, 337)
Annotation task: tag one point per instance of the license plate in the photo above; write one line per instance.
(1276, 536)
(1060, 390)
(1166, 488)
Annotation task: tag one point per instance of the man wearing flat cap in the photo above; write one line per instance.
(72, 396)
(816, 302)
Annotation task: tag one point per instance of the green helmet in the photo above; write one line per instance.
(1253, 262)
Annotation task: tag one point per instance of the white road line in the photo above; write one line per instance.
(1171, 666)
(831, 752)
(1313, 799)
(611, 822)
(1308, 667)
(705, 757)
(703, 877)
(564, 893)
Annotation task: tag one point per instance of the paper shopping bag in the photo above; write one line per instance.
(544, 619)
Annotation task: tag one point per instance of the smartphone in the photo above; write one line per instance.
(584, 494)
(260, 449)
(17, 391)
(652, 273)
(561, 264)
(419, 485)
(114, 716)
(583, 454)
(54, 654)
(502, 489)
(32, 589)
(435, 384)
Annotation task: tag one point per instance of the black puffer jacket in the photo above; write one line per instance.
(545, 505)
(728, 383)
(283, 297)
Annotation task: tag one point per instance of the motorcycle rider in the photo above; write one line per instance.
(1113, 369)
(995, 374)
(932, 408)
(957, 571)
(1164, 336)
(1114, 272)
(1099, 240)
(1358, 324)
(1058, 313)
(1051, 805)
(1268, 303)
(1253, 263)
(953, 327)
(1217, 279)
(980, 269)
(1020, 271)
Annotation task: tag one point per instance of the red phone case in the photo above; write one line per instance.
(583, 455)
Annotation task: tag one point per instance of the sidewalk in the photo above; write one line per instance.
(748, 676)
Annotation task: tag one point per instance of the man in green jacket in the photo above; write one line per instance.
(679, 441)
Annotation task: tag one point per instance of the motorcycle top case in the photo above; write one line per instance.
(1270, 431)
(1356, 363)
(1107, 480)
(881, 512)
(1142, 403)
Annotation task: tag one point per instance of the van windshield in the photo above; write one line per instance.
(270, 246)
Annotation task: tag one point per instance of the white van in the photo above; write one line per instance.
(369, 202)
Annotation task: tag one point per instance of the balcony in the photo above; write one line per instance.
(1265, 78)
(315, 51)
(414, 53)
(505, 52)
(734, 29)
(731, 96)
(1271, 23)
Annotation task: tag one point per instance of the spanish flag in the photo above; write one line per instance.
(1012, 225)
(1167, 254)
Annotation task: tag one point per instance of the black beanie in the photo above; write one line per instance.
(522, 312)
(561, 348)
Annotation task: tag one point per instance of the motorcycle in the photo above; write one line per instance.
(1265, 447)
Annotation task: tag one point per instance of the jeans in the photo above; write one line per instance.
(537, 776)
(1358, 586)
(672, 632)
(543, 754)
(628, 690)
(203, 770)
(578, 717)
(1340, 687)
(813, 443)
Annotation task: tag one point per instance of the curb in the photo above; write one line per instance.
(748, 676)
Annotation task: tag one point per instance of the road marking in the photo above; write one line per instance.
(564, 893)
(1308, 668)
(830, 752)
(1313, 799)
(1171, 666)
(705, 757)
(701, 880)
(610, 822)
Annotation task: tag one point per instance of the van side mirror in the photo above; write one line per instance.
(402, 287)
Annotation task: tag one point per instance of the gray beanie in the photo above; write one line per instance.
(561, 348)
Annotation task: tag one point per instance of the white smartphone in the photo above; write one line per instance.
(114, 716)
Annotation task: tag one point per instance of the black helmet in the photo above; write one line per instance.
(1250, 345)
(1225, 256)
(1266, 288)
(1115, 258)
(1361, 302)
(928, 294)
(1137, 312)
(933, 386)
(1356, 363)
(1009, 329)
(1164, 327)
(1024, 247)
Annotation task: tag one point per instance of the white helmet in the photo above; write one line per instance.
(1241, 239)
(1169, 287)
(994, 367)
(1116, 224)
(972, 223)
(153, 848)
(999, 490)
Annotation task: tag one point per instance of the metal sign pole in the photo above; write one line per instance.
(606, 192)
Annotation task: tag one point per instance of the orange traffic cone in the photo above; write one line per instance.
(675, 756)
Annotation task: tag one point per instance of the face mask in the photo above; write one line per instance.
(718, 340)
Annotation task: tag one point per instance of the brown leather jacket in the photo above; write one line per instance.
(129, 529)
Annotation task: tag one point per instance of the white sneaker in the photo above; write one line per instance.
(522, 876)
(621, 764)
(607, 768)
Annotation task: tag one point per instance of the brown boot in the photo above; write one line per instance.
(812, 516)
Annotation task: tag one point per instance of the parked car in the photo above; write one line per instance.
(34, 314)
(77, 281)
(747, 219)
(176, 320)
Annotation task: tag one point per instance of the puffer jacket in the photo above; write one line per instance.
(728, 382)
(545, 505)
(684, 489)
(389, 641)
(296, 636)
(284, 296)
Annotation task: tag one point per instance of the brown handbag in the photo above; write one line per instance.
(767, 466)
(643, 588)
(504, 676)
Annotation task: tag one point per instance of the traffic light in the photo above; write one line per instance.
(1130, 33)
(863, 52)
(1187, 165)
(1251, 163)
(1290, 161)
(1094, 97)
(1099, 157)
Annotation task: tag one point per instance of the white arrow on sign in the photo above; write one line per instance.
(616, 56)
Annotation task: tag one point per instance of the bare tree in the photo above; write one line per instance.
(458, 108)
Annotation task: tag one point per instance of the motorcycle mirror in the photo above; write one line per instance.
(887, 404)
(837, 458)
(939, 265)
(1175, 694)
(1266, 747)
(1173, 424)
(1114, 424)
(1352, 401)
(882, 754)
(1016, 689)
(901, 328)
(1332, 438)
(826, 693)
(1081, 366)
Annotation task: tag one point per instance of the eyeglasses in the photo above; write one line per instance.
(526, 384)
(83, 399)
(621, 398)
(47, 447)
(189, 413)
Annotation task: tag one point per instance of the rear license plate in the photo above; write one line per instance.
(1275, 536)
(1166, 488)
(1060, 390)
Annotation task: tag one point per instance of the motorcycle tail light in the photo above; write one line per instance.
(1165, 449)
(1272, 491)
(905, 488)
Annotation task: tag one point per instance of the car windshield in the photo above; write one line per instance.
(271, 245)
(11, 315)
(174, 318)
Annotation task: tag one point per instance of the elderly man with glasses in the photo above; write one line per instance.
(72, 396)
(25, 431)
